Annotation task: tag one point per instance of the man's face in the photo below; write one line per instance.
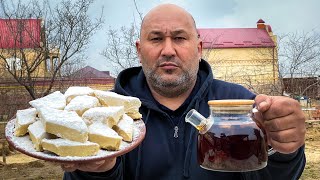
(169, 51)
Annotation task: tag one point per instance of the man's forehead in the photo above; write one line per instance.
(166, 10)
(167, 26)
(167, 14)
(167, 20)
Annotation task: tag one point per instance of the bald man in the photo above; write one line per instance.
(172, 80)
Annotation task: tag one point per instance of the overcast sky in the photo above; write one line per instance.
(284, 16)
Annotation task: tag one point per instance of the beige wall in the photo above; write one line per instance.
(251, 67)
(31, 56)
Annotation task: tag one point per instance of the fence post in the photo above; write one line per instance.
(3, 142)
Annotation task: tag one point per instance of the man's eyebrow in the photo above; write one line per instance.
(178, 31)
(156, 32)
(172, 33)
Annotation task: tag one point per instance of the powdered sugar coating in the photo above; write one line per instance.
(54, 100)
(24, 145)
(126, 124)
(103, 130)
(37, 129)
(101, 114)
(82, 103)
(74, 91)
(69, 119)
(26, 116)
(131, 104)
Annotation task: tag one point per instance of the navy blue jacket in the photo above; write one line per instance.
(163, 156)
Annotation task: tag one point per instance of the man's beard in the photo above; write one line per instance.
(171, 88)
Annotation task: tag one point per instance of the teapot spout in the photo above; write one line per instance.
(198, 121)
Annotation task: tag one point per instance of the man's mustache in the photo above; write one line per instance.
(168, 59)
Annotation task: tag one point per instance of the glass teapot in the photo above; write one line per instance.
(230, 140)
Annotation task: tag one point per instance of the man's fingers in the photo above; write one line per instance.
(285, 136)
(281, 124)
(282, 120)
(273, 107)
(69, 167)
(92, 167)
(286, 148)
(95, 166)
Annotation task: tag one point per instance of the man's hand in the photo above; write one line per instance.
(96, 166)
(283, 121)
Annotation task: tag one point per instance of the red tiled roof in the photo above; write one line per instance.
(20, 33)
(235, 38)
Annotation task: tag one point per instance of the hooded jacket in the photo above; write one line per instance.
(169, 150)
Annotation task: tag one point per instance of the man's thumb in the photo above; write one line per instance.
(263, 102)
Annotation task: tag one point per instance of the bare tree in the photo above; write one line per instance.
(300, 58)
(66, 30)
(120, 51)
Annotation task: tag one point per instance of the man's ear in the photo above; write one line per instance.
(200, 49)
(138, 48)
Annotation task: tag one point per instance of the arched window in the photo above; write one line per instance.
(14, 62)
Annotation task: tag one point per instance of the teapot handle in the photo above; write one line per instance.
(270, 150)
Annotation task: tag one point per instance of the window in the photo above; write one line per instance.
(14, 63)
(48, 64)
(52, 63)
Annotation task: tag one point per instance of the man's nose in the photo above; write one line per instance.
(168, 49)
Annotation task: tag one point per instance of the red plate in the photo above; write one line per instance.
(25, 146)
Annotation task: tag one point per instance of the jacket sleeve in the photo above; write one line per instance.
(116, 173)
(287, 166)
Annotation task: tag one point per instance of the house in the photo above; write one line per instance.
(89, 76)
(246, 56)
(21, 41)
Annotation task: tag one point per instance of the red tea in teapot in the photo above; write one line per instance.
(232, 146)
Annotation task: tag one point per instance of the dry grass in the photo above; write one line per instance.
(312, 169)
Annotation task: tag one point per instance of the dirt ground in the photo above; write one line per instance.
(312, 169)
(20, 166)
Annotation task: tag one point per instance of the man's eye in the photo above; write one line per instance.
(156, 39)
(180, 38)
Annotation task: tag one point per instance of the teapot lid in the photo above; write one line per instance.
(231, 102)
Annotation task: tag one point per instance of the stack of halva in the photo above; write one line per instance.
(79, 122)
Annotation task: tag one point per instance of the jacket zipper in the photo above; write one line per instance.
(176, 128)
(175, 134)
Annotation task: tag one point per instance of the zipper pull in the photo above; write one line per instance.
(176, 129)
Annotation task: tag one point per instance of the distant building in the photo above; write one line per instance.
(94, 78)
(23, 40)
(246, 56)
(90, 72)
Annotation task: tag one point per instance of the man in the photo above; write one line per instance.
(172, 80)
(309, 104)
